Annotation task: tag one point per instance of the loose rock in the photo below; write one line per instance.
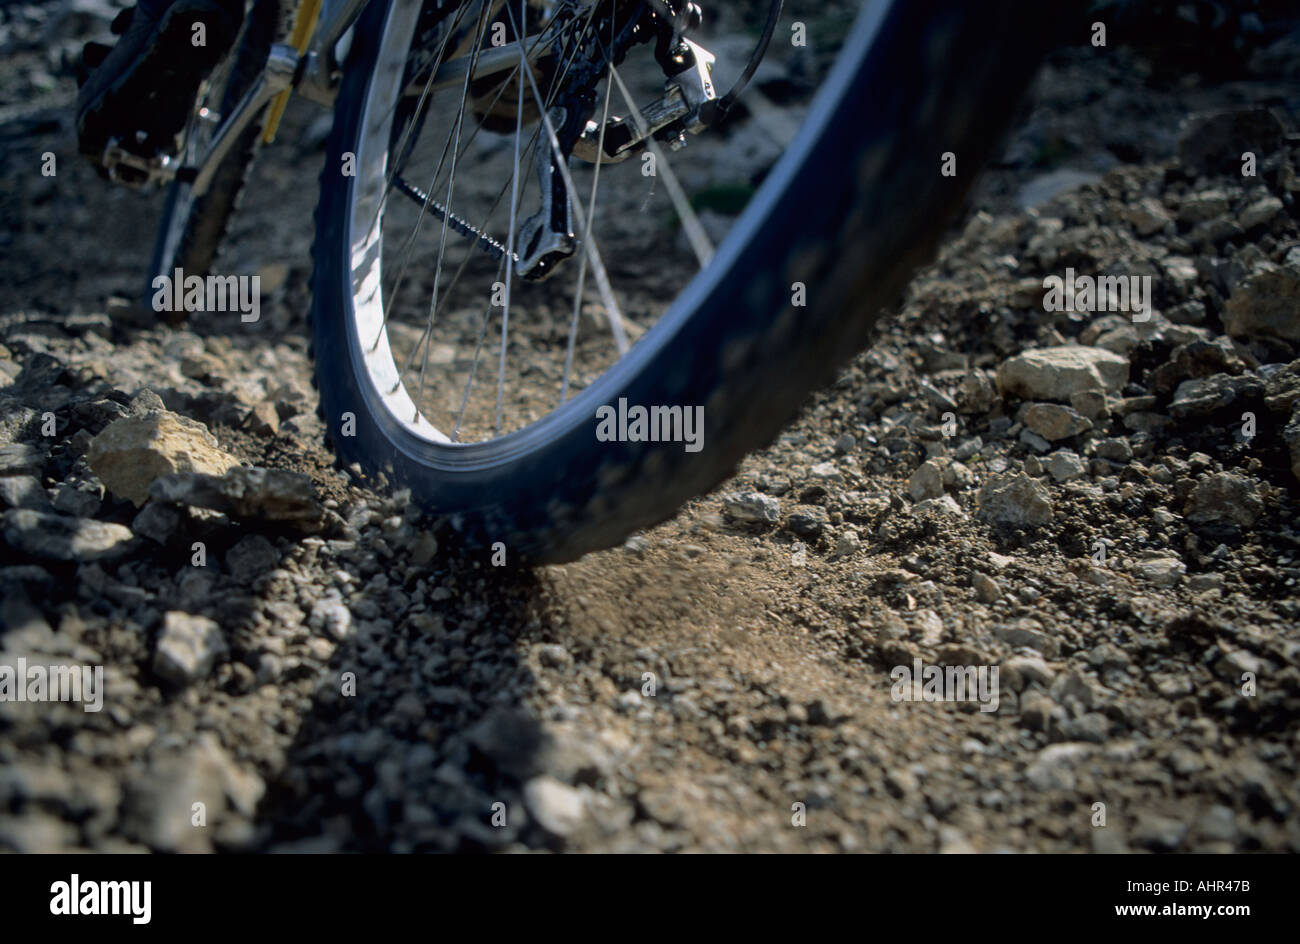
(1225, 497)
(1056, 373)
(556, 807)
(1065, 466)
(245, 494)
(1266, 302)
(54, 537)
(251, 557)
(926, 481)
(1054, 422)
(1014, 501)
(188, 648)
(130, 453)
(752, 507)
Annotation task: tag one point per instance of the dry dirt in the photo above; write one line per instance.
(714, 685)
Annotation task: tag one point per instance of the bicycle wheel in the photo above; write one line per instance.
(403, 313)
(191, 229)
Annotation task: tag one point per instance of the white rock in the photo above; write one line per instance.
(1014, 501)
(1054, 422)
(556, 807)
(752, 507)
(1064, 465)
(926, 481)
(188, 648)
(825, 472)
(944, 504)
(1147, 216)
(331, 616)
(1019, 671)
(1055, 373)
(1053, 769)
(130, 453)
(1161, 571)
(847, 543)
(986, 588)
(1260, 212)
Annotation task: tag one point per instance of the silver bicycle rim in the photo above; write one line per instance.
(376, 366)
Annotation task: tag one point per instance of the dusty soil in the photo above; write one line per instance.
(716, 684)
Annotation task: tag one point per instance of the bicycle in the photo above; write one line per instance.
(535, 89)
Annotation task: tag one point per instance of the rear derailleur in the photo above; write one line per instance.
(546, 238)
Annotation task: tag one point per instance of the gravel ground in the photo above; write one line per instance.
(1101, 508)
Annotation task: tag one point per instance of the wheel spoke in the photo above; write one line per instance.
(593, 253)
(695, 233)
(451, 187)
(456, 148)
(556, 81)
(419, 220)
(473, 369)
(582, 263)
(400, 151)
(464, 264)
(514, 215)
(410, 240)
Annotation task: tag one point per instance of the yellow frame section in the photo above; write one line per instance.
(303, 26)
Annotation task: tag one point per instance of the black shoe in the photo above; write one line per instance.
(142, 92)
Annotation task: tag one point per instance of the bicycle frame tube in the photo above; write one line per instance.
(338, 16)
(313, 74)
(277, 77)
(336, 19)
(300, 39)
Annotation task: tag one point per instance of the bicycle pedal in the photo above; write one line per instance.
(133, 170)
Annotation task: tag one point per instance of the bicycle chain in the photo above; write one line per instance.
(484, 242)
(589, 64)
